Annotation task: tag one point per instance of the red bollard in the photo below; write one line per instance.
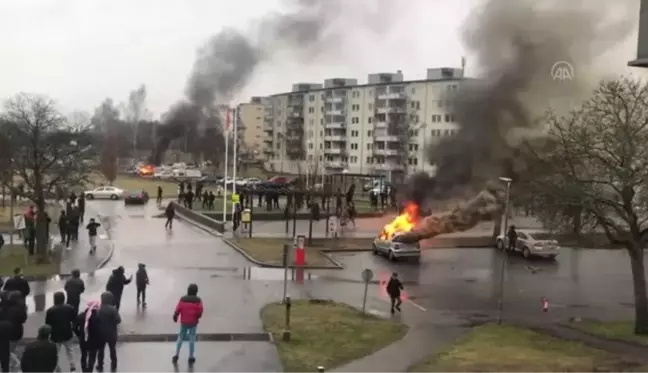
(545, 304)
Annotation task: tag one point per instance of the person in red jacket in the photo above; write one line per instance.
(189, 310)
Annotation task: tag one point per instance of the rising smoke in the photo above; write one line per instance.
(227, 63)
(515, 44)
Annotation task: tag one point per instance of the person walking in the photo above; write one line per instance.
(74, 287)
(17, 283)
(40, 355)
(189, 311)
(116, 284)
(61, 318)
(109, 319)
(17, 314)
(81, 204)
(141, 281)
(92, 235)
(512, 238)
(158, 200)
(170, 214)
(63, 226)
(5, 341)
(394, 287)
(88, 331)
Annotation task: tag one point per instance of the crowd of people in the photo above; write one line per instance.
(94, 328)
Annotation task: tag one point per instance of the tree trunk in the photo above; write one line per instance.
(577, 221)
(639, 287)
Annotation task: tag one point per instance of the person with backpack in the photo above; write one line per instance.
(92, 234)
(188, 311)
(61, 318)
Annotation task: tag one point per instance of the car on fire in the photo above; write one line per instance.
(531, 244)
(136, 197)
(383, 245)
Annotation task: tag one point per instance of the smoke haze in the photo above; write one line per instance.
(227, 63)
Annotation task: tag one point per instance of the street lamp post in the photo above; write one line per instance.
(502, 276)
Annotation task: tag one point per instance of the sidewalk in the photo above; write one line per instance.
(78, 255)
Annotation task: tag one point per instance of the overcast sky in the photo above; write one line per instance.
(81, 51)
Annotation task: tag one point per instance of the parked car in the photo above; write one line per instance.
(252, 181)
(396, 250)
(104, 192)
(163, 175)
(136, 197)
(531, 244)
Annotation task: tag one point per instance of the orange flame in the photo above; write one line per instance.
(404, 222)
(146, 170)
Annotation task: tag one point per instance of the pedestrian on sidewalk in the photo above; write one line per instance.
(88, 331)
(189, 310)
(170, 214)
(141, 281)
(512, 238)
(74, 287)
(61, 318)
(92, 234)
(74, 217)
(17, 314)
(116, 284)
(81, 203)
(40, 355)
(5, 342)
(158, 200)
(109, 319)
(394, 287)
(63, 226)
(17, 283)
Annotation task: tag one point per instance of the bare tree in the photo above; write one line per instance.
(595, 164)
(48, 152)
(135, 112)
(109, 157)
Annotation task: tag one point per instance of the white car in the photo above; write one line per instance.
(163, 175)
(396, 250)
(252, 181)
(104, 192)
(531, 244)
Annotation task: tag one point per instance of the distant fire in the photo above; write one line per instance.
(146, 170)
(404, 222)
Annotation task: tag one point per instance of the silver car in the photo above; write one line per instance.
(531, 244)
(104, 192)
(396, 250)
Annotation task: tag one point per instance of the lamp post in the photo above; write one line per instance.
(502, 276)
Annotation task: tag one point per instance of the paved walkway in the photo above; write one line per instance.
(77, 256)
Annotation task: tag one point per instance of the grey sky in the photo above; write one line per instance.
(81, 51)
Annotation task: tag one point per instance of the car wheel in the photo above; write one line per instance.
(114, 197)
(89, 196)
(526, 253)
(500, 245)
(416, 259)
(392, 257)
(374, 249)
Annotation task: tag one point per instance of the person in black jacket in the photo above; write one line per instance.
(92, 234)
(116, 284)
(88, 331)
(141, 281)
(61, 318)
(17, 314)
(63, 227)
(109, 319)
(74, 287)
(170, 214)
(394, 287)
(17, 283)
(40, 355)
(81, 204)
(5, 343)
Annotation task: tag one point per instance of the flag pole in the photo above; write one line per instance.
(227, 125)
(235, 121)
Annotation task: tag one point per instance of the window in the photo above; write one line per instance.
(355, 133)
(440, 103)
(369, 120)
(322, 121)
(355, 120)
(413, 104)
(369, 146)
(418, 105)
(311, 110)
(370, 106)
(311, 98)
(354, 146)
(369, 160)
(413, 90)
(413, 147)
(369, 133)
(310, 146)
(447, 118)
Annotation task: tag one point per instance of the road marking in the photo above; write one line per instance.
(416, 305)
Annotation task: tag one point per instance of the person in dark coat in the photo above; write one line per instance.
(512, 238)
(17, 314)
(141, 281)
(40, 355)
(88, 331)
(81, 205)
(170, 214)
(61, 318)
(5, 342)
(116, 284)
(109, 319)
(17, 283)
(63, 226)
(158, 199)
(394, 287)
(74, 287)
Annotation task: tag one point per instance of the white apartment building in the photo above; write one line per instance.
(381, 127)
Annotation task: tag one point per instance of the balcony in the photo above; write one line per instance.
(387, 138)
(295, 113)
(335, 151)
(334, 100)
(335, 138)
(268, 140)
(334, 164)
(389, 167)
(386, 152)
(392, 96)
(338, 112)
(335, 125)
(380, 125)
(268, 128)
(268, 150)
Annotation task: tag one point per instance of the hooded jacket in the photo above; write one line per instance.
(40, 355)
(61, 318)
(108, 317)
(189, 308)
(394, 287)
(5, 326)
(18, 283)
(74, 287)
(116, 282)
(141, 277)
(94, 337)
(17, 314)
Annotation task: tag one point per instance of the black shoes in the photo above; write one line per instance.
(192, 360)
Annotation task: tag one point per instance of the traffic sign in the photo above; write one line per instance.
(367, 275)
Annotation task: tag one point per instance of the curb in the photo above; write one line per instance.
(198, 225)
(336, 264)
(208, 337)
(593, 335)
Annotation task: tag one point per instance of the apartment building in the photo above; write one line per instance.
(381, 127)
(250, 127)
(642, 40)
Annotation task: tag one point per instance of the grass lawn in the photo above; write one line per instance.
(12, 256)
(327, 334)
(496, 348)
(6, 220)
(615, 329)
(270, 250)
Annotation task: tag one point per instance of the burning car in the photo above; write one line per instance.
(387, 242)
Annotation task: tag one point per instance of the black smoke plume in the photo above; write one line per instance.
(515, 44)
(227, 63)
